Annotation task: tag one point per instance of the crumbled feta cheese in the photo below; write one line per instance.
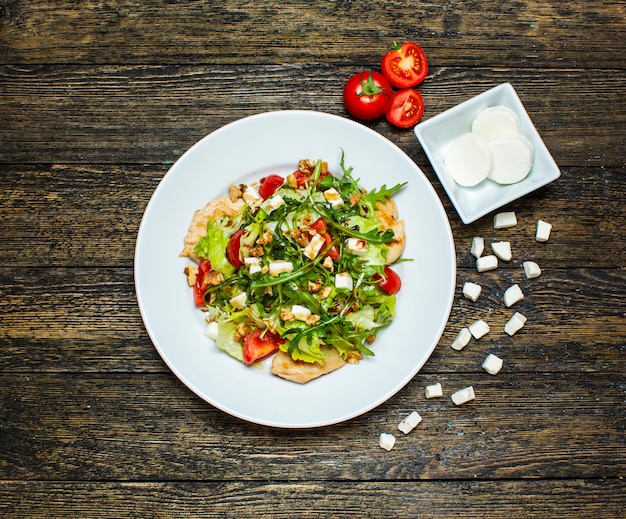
(301, 313)
(280, 266)
(463, 395)
(239, 301)
(543, 231)
(515, 323)
(253, 264)
(433, 391)
(502, 249)
(479, 329)
(504, 220)
(513, 295)
(462, 339)
(251, 196)
(485, 263)
(410, 422)
(478, 247)
(492, 364)
(314, 247)
(333, 198)
(472, 291)
(356, 246)
(531, 269)
(386, 441)
(273, 203)
(211, 330)
(344, 280)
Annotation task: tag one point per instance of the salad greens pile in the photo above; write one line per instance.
(281, 287)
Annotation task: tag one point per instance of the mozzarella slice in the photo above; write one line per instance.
(495, 121)
(485, 263)
(504, 220)
(468, 160)
(543, 231)
(511, 158)
(211, 330)
(344, 280)
(478, 246)
(462, 339)
(515, 323)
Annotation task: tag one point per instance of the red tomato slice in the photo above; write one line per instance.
(232, 249)
(269, 185)
(320, 226)
(200, 286)
(367, 94)
(405, 65)
(256, 346)
(390, 282)
(406, 108)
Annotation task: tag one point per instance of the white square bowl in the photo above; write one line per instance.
(438, 132)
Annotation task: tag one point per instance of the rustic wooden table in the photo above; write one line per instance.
(97, 99)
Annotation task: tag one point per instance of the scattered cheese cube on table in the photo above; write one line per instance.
(513, 295)
(462, 339)
(515, 323)
(504, 220)
(478, 247)
(463, 395)
(543, 231)
(434, 390)
(492, 364)
(531, 269)
(471, 291)
(485, 263)
(386, 441)
(479, 329)
(410, 422)
(502, 249)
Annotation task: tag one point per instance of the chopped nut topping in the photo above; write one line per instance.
(265, 239)
(353, 357)
(291, 180)
(191, 271)
(214, 277)
(286, 315)
(370, 339)
(257, 252)
(315, 286)
(312, 319)
(242, 331)
(234, 192)
(354, 199)
(306, 166)
(324, 292)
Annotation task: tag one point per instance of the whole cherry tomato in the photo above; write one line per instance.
(367, 95)
(405, 65)
(406, 108)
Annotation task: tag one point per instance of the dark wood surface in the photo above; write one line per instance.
(97, 99)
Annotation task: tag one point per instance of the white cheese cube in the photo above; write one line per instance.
(301, 313)
(386, 441)
(356, 246)
(504, 220)
(279, 266)
(251, 195)
(478, 247)
(333, 198)
(531, 269)
(273, 203)
(485, 263)
(515, 323)
(253, 264)
(543, 231)
(410, 422)
(502, 249)
(462, 339)
(513, 295)
(479, 329)
(239, 301)
(211, 330)
(433, 391)
(463, 395)
(492, 364)
(344, 280)
(314, 247)
(472, 291)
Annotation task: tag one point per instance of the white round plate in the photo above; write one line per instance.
(243, 152)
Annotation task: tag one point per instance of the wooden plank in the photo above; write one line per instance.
(53, 215)
(92, 323)
(86, 427)
(152, 114)
(517, 499)
(533, 34)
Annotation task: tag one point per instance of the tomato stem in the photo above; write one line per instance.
(370, 88)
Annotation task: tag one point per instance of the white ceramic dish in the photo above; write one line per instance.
(242, 152)
(436, 134)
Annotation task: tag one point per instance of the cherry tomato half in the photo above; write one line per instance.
(367, 94)
(303, 179)
(257, 347)
(405, 65)
(201, 284)
(269, 185)
(390, 282)
(406, 108)
(232, 249)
